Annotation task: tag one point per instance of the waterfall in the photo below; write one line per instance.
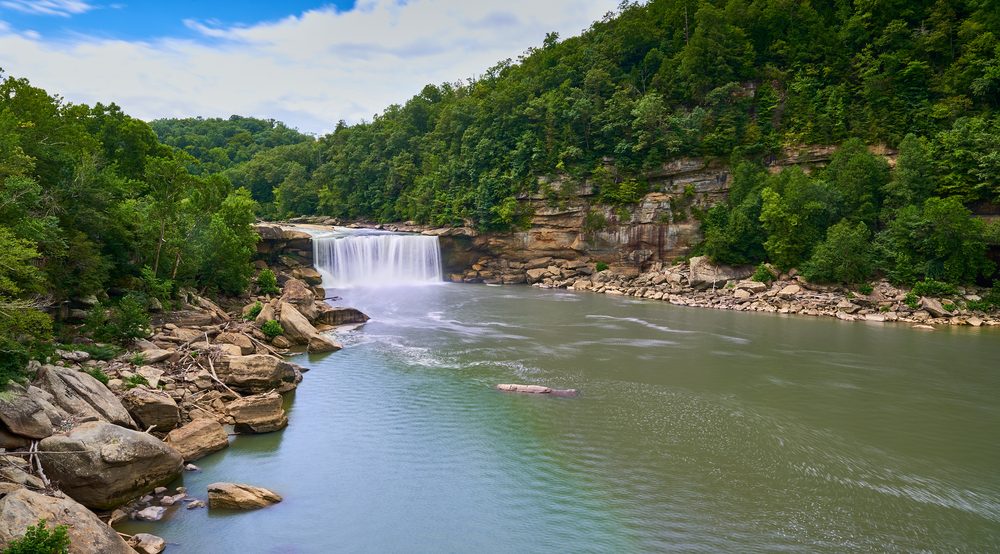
(355, 259)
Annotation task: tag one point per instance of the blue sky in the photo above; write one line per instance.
(307, 63)
(131, 20)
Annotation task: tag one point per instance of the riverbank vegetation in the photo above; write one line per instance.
(96, 212)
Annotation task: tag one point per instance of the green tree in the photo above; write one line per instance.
(845, 256)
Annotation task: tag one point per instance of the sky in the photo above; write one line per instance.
(305, 62)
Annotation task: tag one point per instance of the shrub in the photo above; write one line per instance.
(762, 274)
(267, 283)
(103, 352)
(865, 288)
(601, 266)
(594, 221)
(123, 323)
(930, 287)
(254, 311)
(272, 328)
(137, 359)
(39, 539)
(96, 373)
(912, 300)
(13, 359)
(135, 380)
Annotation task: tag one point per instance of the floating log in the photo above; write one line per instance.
(535, 389)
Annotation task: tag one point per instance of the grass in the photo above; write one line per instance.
(135, 381)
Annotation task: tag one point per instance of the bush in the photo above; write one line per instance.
(267, 283)
(930, 287)
(253, 312)
(123, 323)
(762, 274)
(103, 352)
(912, 300)
(865, 288)
(13, 359)
(96, 373)
(594, 221)
(39, 539)
(138, 359)
(135, 381)
(272, 328)
(845, 256)
(601, 266)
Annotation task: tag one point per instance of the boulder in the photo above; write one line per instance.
(22, 415)
(236, 496)
(934, 307)
(320, 343)
(145, 543)
(152, 408)
(156, 356)
(87, 534)
(151, 374)
(255, 373)
(752, 286)
(297, 327)
(239, 340)
(198, 439)
(790, 291)
(297, 292)
(307, 274)
(102, 465)
(260, 413)
(152, 513)
(535, 389)
(266, 314)
(9, 440)
(15, 469)
(80, 395)
(703, 274)
(330, 315)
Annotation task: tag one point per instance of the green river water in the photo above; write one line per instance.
(696, 430)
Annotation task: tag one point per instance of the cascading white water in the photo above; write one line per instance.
(377, 259)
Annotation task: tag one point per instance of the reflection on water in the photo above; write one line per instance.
(696, 430)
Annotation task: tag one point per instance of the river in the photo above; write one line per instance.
(695, 430)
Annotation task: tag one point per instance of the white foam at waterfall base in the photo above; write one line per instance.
(382, 259)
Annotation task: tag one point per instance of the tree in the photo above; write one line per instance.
(845, 256)
(795, 212)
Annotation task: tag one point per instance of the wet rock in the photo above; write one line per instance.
(80, 395)
(152, 408)
(198, 439)
(144, 543)
(87, 534)
(535, 389)
(102, 465)
(261, 413)
(236, 496)
(341, 316)
(152, 513)
(320, 343)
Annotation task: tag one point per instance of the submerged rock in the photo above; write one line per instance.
(536, 389)
(237, 496)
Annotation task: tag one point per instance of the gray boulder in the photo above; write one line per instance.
(81, 395)
(152, 408)
(23, 416)
(703, 273)
(87, 534)
(103, 466)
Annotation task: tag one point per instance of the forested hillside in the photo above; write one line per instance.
(731, 79)
(94, 208)
(738, 80)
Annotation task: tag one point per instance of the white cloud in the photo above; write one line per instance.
(61, 8)
(309, 70)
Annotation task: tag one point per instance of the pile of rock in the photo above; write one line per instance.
(545, 271)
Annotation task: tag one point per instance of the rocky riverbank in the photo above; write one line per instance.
(89, 442)
(700, 283)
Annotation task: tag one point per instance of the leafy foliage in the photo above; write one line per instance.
(930, 287)
(121, 323)
(39, 539)
(845, 256)
(254, 311)
(272, 328)
(267, 282)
